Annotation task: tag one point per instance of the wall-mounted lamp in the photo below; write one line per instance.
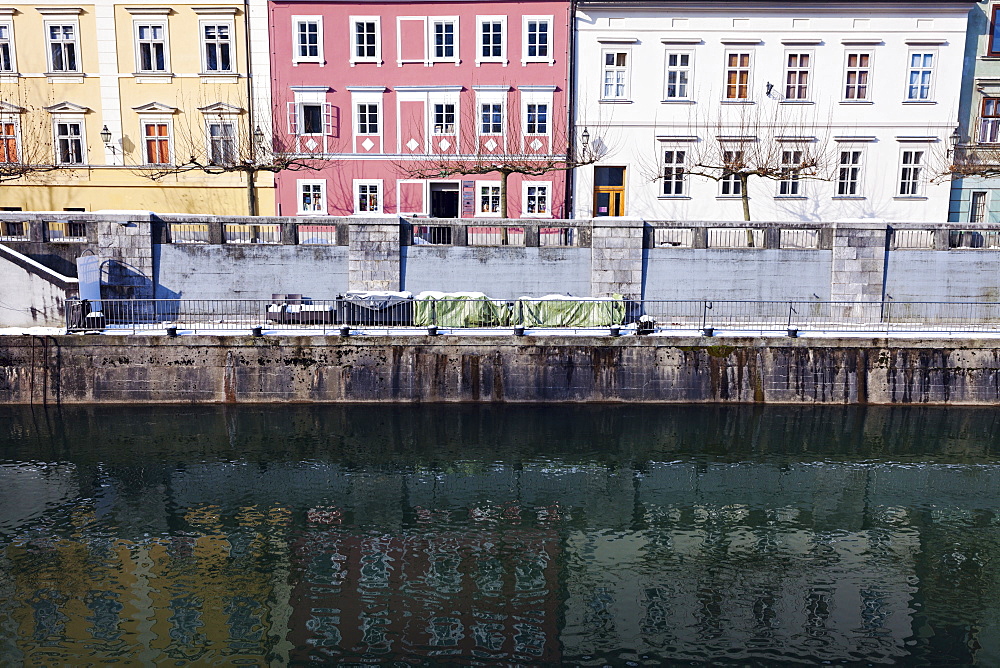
(258, 136)
(106, 138)
(585, 138)
(955, 139)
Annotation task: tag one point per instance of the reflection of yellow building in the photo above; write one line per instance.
(114, 92)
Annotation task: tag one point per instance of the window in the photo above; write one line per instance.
(674, 173)
(849, 174)
(537, 42)
(989, 122)
(537, 119)
(536, 199)
(678, 76)
(63, 48)
(217, 47)
(156, 137)
(445, 44)
(6, 48)
(308, 39)
(489, 199)
(312, 119)
(151, 47)
(310, 115)
(444, 119)
(910, 173)
(69, 143)
(730, 185)
(221, 143)
(312, 196)
(492, 46)
(921, 69)
(977, 207)
(993, 48)
(9, 153)
(797, 71)
(491, 119)
(737, 76)
(789, 184)
(615, 75)
(856, 76)
(366, 40)
(368, 196)
(368, 119)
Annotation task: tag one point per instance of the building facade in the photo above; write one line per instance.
(406, 107)
(113, 93)
(838, 114)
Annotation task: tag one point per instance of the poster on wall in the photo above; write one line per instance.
(468, 198)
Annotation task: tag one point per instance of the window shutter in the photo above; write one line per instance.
(327, 118)
(293, 119)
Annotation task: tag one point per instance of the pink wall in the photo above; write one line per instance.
(406, 116)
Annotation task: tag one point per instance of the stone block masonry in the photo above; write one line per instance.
(55, 370)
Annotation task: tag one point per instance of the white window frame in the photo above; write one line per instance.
(625, 69)
(157, 120)
(734, 184)
(537, 95)
(11, 50)
(14, 118)
(380, 194)
(738, 68)
(869, 70)
(78, 56)
(683, 183)
(357, 118)
(432, 22)
(525, 185)
(984, 199)
(502, 58)
(300, 185)
(434, 117)
(667, 69)
(480, 186)
(549, 58)
(799, 69)
(790, 181)
(932, 76)
(905, 179)
(312, 96)
(297, 22)
(233, 122)
(856, 178)
(353, 43)
(58, 119)
(492, 95)
(203, 44)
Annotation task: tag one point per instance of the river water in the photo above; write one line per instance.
(408, 535)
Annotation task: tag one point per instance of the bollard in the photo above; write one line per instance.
(615, 331)
(257, 331)
(432, 330)
(345, 330)
(708, 331)
(793, 333)
(519, 330)
(171, 332)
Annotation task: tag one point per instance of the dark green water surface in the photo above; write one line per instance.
(402, 535)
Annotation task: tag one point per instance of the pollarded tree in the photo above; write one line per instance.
(487, 141)
(26, 144)
(743, 145)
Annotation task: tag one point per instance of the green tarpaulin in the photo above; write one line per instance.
(459, 310)
(570, 312)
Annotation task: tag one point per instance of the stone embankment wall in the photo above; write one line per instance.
(156, 369)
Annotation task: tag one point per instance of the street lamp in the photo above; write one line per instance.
(106, 138)
(258, 136)
(585, 138)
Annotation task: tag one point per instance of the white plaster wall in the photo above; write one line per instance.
(891, 30)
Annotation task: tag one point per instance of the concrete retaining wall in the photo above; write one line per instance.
(110, 369)
(32, 295)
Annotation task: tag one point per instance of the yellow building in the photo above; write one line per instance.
(130, 101)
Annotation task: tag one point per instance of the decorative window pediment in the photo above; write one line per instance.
(66, 108)
(155, 108)
(221, 109)
(7, 108)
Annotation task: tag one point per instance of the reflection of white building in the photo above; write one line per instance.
(872, 94)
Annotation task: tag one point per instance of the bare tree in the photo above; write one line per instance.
(227, 141)
(980, 155)
(744, 145)
(487, 143)
(26, 144)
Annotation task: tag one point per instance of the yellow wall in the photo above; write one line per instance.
(100, 186)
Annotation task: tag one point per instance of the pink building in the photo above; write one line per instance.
(398, 96)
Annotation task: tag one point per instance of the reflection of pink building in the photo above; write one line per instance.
(385, 89)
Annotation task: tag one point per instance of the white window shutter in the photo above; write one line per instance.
(327, 118)
(293, 119)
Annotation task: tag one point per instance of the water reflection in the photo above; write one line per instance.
(528, 535)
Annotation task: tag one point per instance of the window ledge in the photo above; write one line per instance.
(796, 102)
(856, 102)
(737, 102)
(910, 198)
(65, 77)
(677, 101)
(786, 197)
(9, 77)
(379, 63)
(989, 57)
(153, 77)
(536, 215)
(730, 197)
(675, 197)
(615, 101)
(849, 197)
(919, 102)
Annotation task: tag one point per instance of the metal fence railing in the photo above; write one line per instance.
(703, 316)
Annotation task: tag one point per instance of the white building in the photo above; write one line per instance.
(865, 95)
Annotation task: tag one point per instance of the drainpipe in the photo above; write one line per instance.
(571, 110)
(252, 205)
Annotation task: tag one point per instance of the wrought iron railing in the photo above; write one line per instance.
(703, 316)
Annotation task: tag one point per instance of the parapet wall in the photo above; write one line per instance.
(156, 369)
